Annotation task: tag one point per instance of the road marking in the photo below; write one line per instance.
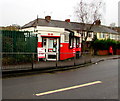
(68, 88)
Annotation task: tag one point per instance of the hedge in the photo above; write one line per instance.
(105, 44)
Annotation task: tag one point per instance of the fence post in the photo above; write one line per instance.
(90, 56)
(56, 60)
(1, 57)
(85, 61)
(74, 58)
(32, 61)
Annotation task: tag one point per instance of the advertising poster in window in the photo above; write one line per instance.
(41, 52)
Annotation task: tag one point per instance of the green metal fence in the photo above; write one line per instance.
(18, 41)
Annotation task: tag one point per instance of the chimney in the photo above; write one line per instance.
(67, 20)
(48, 18)
(97, 22)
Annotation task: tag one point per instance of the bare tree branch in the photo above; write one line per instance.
(88, 12)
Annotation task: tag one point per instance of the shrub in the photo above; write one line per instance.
(100, 45)
(105, 44)
(118, 45)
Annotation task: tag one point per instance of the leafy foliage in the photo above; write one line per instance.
(105, 44)
(118, 45)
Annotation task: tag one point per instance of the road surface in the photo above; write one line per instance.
(98, 81)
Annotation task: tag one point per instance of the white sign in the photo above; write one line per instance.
(41, 52)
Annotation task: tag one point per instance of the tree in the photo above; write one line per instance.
(13, 27)
(88, 12)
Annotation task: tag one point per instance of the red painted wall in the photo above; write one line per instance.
(66, 52)
(102, 52)
(118, 52)
(39, 44)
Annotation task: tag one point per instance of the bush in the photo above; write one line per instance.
(15, 59)
(118, 45)
(100, 45)
(105, 44)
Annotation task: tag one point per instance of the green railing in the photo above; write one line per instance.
(18, 41)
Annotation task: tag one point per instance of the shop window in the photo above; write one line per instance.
(71, 41)
(77, 42)
(54, 45)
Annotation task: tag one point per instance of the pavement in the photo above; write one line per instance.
(95, 59)
(43, 67)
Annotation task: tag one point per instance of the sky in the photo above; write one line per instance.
(21, 12)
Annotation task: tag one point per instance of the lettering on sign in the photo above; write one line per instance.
(50, 34)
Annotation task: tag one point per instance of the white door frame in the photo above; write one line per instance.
(52, 53)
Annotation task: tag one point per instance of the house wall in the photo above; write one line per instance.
(28, 29)
(101, 36)
(44, 29)
(48, 29)
(90, 36)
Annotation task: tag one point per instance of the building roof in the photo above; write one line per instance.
(117, 29)
(68, 25)
(55, 23)
(102, 29)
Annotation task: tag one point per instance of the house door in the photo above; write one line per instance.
(51, 46)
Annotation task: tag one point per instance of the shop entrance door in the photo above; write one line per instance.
(51, 46)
